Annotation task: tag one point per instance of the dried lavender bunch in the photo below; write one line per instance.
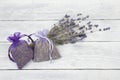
(71, 30)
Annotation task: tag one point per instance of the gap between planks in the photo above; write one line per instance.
(64, 69)
(6, 42)
(54, 20)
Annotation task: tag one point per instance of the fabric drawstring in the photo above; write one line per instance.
(43, 35)
(9, 54)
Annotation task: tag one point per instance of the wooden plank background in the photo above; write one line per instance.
(95, 58)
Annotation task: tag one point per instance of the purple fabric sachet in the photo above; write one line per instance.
(44, 48)
(19, 51)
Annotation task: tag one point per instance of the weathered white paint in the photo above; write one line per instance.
(98, 55)
(32, 9)
(60, 75)
(91, 59)
(9, 27)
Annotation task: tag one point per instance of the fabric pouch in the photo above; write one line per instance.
(44, 48)
(19, 51)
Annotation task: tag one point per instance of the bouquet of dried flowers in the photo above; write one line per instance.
(70, 30)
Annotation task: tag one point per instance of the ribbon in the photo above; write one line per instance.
(43, 36)
(14, 38)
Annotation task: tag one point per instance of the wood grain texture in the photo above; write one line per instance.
(55, 9)
(7, 28)
(82, 55)
(61, 75)
(95, 58)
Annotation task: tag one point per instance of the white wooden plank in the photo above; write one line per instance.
(60, 75)
(41, 10)
(7, 28)
(82, 55)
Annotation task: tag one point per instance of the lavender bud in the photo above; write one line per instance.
(89, 22)
(96, 26)
(100, 29)
(67, 16)
(78, 18)
(87, 16)
(79, 14)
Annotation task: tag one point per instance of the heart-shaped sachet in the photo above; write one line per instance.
(19, 51)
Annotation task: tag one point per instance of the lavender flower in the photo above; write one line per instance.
(71, 30)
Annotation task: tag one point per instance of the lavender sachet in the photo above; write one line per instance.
(19, 51)
(44, 48)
